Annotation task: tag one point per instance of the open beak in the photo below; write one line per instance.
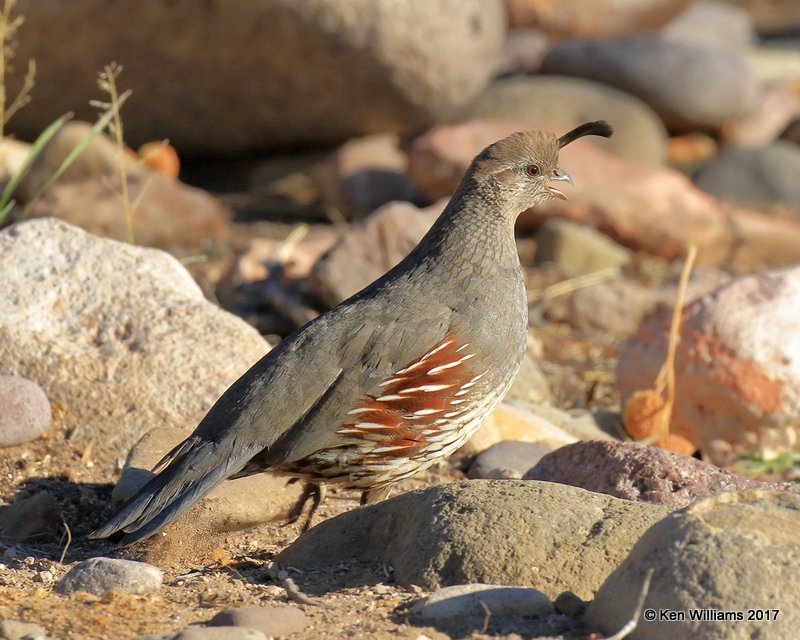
(558, 175)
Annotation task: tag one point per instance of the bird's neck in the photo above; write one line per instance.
(473, 231)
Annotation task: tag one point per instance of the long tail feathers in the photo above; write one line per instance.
(188, 473)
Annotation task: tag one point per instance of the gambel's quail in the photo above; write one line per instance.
(391, 380)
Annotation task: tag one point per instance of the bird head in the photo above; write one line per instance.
(521, 168)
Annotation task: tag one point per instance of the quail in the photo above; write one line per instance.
(391, 380)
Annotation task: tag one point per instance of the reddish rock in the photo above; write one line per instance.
(370, 248)
(168, 213)
(652, 209)
(737, 366)
(593, 18)
(777, 107)
(641, 473)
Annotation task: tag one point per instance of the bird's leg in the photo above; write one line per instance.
(377, 494)
(310, 490)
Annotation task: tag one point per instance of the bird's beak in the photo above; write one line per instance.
(561, 176)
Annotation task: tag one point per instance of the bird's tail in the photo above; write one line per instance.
(187, 473)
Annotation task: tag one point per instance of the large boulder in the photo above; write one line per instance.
(236, 75)
(120, 336)
(688, 86)
(735, 554)
(506, 532)
(737, 373)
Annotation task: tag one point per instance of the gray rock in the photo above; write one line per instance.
(734, 552)
(505, 532)
(713, 24)
(466, 606)
(531, 385)
(33, 518)
(121, 335)
(639, 472)
(100, 576)
(626, 302)
(507, 459)
(303, 71)
(16, 630)
(271, 621)
(370, 248)
(26, 413)
(688, 86)
(755, 176)
(577, 249)
(561, 103)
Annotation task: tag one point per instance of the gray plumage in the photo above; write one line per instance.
(461, 284)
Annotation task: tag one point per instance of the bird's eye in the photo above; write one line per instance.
(532, 170)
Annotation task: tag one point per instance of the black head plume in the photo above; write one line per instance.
(596, 128)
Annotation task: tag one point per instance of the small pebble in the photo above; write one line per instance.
(26, 413)
(103, 575)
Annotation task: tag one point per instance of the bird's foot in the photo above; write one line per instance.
(313, 491)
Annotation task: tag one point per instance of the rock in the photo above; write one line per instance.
(771, 16)
(710, 87)
(100, 576)
(713, 24)
(759, 176)
(32, 518)
(465, 606)
(13, 155)
(733, 552)
(691, 150)
(627, 302)
(638, 472)
(16, 630)
(327, 70)
(776, 110)
(773, 65)
(121, 336)
(366, 173)
(168, 213)
(26, 413)
(234, 505)
(529, 422)
(522, 52)
(507, 459)
(563, 538)
(560, 104)
(269, 620)
(531, 385)
(737, 372)
(99, 158)
(370, 248)
(591, 19)
(253, 263)
(577, 249)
